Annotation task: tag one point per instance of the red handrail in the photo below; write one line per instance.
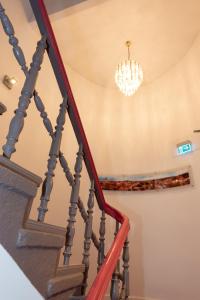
(101, 282)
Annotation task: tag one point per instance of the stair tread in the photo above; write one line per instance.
(5, 162)
(45, 227)
(65, 270)
(39, 239)
(60, 283)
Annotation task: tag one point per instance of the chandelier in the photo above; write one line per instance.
(129, 75)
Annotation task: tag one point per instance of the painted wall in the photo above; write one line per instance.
(127, 136)
(138, 135)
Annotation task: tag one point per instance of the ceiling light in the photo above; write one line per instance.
(129, 75)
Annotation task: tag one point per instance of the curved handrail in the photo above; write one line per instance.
(98, 288)
(100, 284)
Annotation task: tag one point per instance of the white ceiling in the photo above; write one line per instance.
(91, 37)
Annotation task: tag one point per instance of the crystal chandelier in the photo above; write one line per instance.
(129, 75)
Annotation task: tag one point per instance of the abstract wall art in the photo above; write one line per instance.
(144, 182)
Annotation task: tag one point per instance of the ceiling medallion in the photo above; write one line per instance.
(129, 74)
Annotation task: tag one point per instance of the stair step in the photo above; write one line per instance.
(60, 284)
(77, 297)
(38, 239)
(73, 269)
(45, 227)
(11, 166)
(39, 244)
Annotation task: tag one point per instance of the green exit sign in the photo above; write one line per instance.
(184, 148)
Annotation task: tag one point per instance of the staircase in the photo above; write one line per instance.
(35, 245)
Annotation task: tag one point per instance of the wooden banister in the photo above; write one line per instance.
(104, 276)
(100, 284)
(106, 264)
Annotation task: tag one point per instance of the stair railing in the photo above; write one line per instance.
(108, 264)
(19, 55)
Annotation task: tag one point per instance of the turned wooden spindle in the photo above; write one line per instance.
(9, 30)
(114, 289)
(52, 161)
(63, 162)
(73, 206)
(84, 216)
(40, 106)
(66, 169)
(125, 277)
(87, 236)
(17, 122)
(102, 231)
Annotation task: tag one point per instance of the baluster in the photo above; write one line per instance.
(53, 155)
(47, 123)
(84, 216)
(73, 206)
(87, 236)
(114, 290)
(19, 55)
(125, 282)
(40, 106)
(63, 162)
(9, 30)
(81, 207)
(102, 231)
(66, 169)
(17, 123)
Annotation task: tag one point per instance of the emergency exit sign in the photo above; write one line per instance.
(184, 148)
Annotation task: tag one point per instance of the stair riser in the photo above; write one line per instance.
(34, 246)
(12, 210)
(16, 197)
(63, 296)
(38, 264)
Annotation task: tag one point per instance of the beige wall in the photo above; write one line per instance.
(127, 136)
(139, 135)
